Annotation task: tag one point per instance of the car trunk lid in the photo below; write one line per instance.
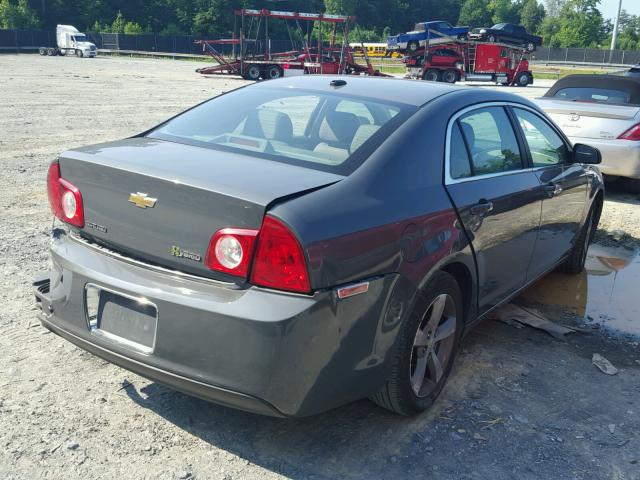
(590, 120)
(161, 202)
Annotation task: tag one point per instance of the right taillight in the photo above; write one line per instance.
(279, 260)
(64, 197)
(632, 134)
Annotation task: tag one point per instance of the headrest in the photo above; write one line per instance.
(269, 124)
(339, 127)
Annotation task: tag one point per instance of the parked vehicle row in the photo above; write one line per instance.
(298, 244)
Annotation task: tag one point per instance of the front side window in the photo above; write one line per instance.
(491, 141)
(311, 129)
(545, 145)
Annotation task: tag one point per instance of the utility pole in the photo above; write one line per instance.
(615, 26)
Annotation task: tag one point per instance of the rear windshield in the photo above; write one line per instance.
(593, 95)
(323, 131)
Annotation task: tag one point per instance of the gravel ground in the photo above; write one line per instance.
(520, 404)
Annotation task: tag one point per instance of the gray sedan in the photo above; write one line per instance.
(295, 245)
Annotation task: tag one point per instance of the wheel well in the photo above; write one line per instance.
(598, 203)
(462, 275)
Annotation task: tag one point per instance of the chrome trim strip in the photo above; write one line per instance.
(177, 274)
(447, 165)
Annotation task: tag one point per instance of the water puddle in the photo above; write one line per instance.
(606, 292)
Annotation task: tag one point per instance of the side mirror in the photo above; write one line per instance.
(586, 154)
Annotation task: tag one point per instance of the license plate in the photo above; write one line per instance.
(126, 320)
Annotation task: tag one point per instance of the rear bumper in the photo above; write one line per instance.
(262, 351)
(619, 157)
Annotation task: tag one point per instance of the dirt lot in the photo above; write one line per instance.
(520, 404)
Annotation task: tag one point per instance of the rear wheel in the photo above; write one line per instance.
(492, 38)
(427, 345)
(62, 53)
(51, 52)
(575, 262)
(530, 46)
(252, 72)
(462, 36)
(413, 46)
(450, 76)
(523, 79)
(431, 75)
(42, 51)
(272, 72)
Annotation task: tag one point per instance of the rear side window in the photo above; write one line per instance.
(459, 164)
(545, 145)
(323, 131)
(593, 95)
(491, 141)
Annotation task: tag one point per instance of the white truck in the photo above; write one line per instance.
(70, 41)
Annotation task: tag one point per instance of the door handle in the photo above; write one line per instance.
(552, 189)
(481, 208)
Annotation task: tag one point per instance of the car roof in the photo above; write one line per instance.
(410, 92)
(630, 85)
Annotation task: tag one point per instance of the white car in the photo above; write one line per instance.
(602, 111)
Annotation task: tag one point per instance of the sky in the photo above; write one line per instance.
(609, 7)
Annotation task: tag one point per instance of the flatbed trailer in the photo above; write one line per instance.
(471, 60)
(268, 65)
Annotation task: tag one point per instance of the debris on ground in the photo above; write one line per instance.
(604, 365)
(528, 316)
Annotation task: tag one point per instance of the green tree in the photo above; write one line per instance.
(581, 24)
(532, 15)
(118, 23)
(549, 30)
(133, 28)
(17, 15)
(504, 11)
(475, 13)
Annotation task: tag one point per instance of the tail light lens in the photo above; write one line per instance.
(632, 134)
(279, 260)
(230, 251)
(64, 197)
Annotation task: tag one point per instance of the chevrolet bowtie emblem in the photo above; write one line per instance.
(141, 200)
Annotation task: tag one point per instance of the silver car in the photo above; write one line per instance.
(602, 111)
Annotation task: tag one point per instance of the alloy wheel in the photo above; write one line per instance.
(433, 345)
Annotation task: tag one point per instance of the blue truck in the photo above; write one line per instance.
(437, 31)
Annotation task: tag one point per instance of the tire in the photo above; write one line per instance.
(272, 72)
(522, 79)
(62, 53)
(413, 46)
(79, 54)
(51, 52)
(530, 47)
(410, 388)
(492, 38)
(42, 51)
(252, 73)
(431, 75)
(462, 36)
(450, 76)
(574, 264)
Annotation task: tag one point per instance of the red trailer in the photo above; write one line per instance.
(471, 61)
(336, 57)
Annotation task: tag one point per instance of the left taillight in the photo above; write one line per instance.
(632, 134)
(230, 251)
(64, 197)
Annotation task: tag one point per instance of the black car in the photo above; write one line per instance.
(507, 33)
(633, 71)
(298, 244)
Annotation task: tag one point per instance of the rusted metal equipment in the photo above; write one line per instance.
(312, 56)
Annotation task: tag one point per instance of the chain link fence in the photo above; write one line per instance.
(30, 39)
(13, 40)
